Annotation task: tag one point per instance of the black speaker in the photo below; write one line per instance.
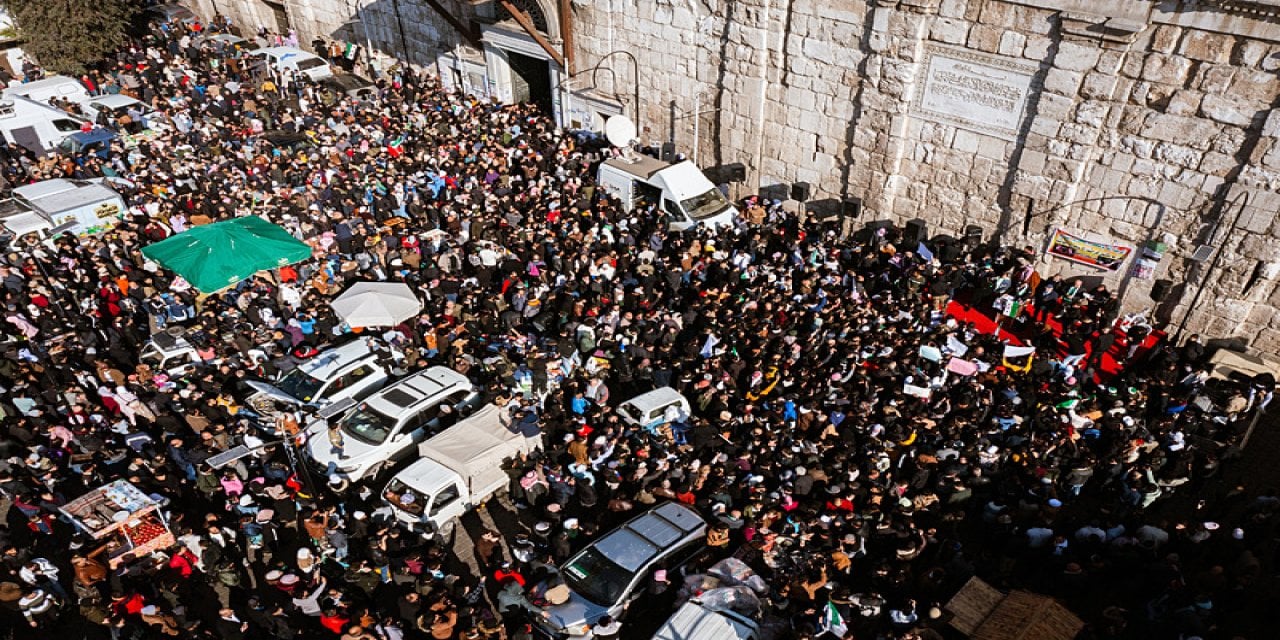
(851, 208)
(668, 151)
(1160, 289)
(870, 232)
(737, 172)
(972, 236)
(915, 231)
(800, 191)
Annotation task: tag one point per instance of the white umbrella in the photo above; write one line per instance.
(377, 304)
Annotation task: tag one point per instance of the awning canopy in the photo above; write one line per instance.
(215, 256)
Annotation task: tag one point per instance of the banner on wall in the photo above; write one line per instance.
(1094, 254)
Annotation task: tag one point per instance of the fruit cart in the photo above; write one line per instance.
(128, 520)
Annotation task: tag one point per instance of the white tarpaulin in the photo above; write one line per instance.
(476, 447)
(377, 304)
(1011, 351)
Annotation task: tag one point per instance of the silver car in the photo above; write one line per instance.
(607, 576)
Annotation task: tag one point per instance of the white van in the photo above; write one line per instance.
(681, 189)
(78, 206)
(35, 125)
(286, 59)
(649, 410)
(53, 87)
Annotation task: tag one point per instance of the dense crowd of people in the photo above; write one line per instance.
(850, 438)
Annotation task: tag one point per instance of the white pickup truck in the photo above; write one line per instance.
(459, 469)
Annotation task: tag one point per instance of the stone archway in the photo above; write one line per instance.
(543, 13)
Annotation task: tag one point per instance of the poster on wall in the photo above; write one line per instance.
(1095, 254)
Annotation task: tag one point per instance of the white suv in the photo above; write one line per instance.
(388, 425)
(341, 375)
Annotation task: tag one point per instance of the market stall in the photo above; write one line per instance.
(126, 519)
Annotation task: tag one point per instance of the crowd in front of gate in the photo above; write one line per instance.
(852, 437)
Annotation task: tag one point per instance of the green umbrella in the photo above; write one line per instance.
(215, 256)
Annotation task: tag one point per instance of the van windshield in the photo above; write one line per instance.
(704, 206)
(310, 63)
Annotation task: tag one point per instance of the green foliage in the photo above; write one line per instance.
(66, 35)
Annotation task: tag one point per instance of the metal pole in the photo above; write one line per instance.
(404, 42)
(1257, 415)
(697, 122)
(1217, 255)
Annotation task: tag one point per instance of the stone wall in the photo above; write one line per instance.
(1136, 122)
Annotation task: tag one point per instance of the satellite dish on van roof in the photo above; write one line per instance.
(620, 131)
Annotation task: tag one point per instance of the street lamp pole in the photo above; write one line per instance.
(635, 80)
(1213, 264)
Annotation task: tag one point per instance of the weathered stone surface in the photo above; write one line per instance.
(1207, 46)
(949, 30)
(1184, 102)
(1165, 38)
(1165, 117)
(1076, 56)
(984, 38)
(1226, 110)
(1012, 44)
(1062, 81)
(1165, 69)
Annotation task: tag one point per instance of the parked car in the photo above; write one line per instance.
(386, 427)
(610, 573)
(108, 110)
(280, 60)
(695, 620)
(232, 44)
(171, 354)
(655, 408)
(345, 373)
(170, 13)
(350, 86)
(289, 142)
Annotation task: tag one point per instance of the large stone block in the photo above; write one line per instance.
(1165, 38)
(1214, 78)
(985, 38)
(1098, 85)
(1012, 43)
(1165, 69)
(1207, 46)
(1092, 113)
(1031, 186)
(1170, 128)
(1110, 61)
(1249, 53)
(1032, 161)
(952, 8)
(1228, 111)
(949, 30)
(1000, 14)
(1063, 82)
(1259, 86)
(1037, 47)
(966, 141)
(1184, 102)
(1075, 56)
(1217, 164)
(1185, 157)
